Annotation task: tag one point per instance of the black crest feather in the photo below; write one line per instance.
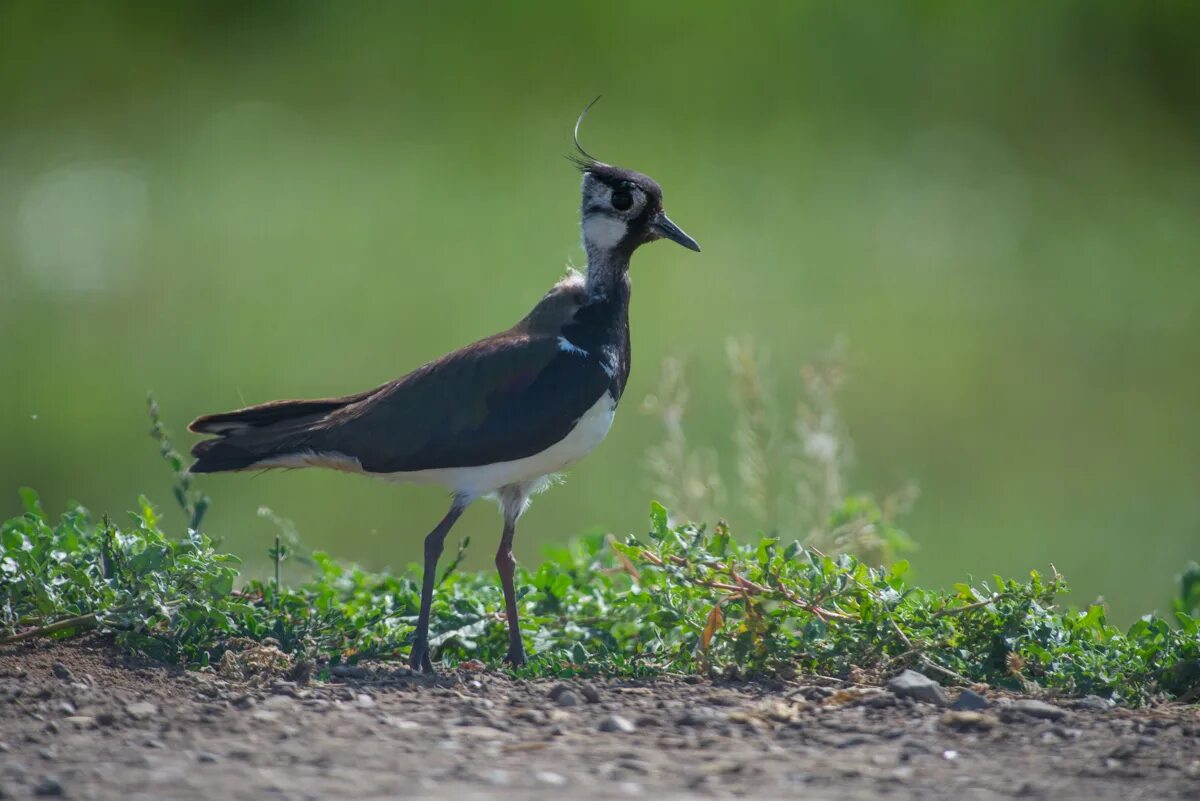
(581, 158)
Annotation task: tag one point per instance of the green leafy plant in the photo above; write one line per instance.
(682, 598)
(193, 502)
(160, 596)
(679, 599)
(1188, 601)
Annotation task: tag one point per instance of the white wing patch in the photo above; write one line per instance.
(328, 459)
(610, 360)
(567, 346)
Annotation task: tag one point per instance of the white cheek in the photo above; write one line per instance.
(603, 232)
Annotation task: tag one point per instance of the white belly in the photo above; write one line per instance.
(486, 478)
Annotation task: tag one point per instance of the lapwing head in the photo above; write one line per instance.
(622, 209)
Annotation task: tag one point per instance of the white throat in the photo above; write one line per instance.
(603, 233)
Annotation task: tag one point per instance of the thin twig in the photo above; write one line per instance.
(925, 660)
(746, 586)
(929, 663)
(903, 637)
(957, 610)
(87, 621)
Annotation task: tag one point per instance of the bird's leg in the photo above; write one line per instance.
(506, 565)
(419, 657)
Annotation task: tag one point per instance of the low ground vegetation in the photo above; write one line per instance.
(679, 599)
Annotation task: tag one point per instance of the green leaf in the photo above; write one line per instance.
(658, 520)
(31, 502)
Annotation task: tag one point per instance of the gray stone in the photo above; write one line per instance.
(618, 724)
(911, 684)
(48, 786)
(969, 700)
(1031, 707)
(693, 719)
(140, 710)
(567, 698)
(1095, 703)
(496, 776)
(968, 720)
(349, 672)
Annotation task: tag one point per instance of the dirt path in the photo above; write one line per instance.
(79, 721)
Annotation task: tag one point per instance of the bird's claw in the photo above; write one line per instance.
(418, 659)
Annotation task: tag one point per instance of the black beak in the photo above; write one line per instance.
(663, 226)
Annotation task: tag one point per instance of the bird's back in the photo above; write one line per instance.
(506, 397)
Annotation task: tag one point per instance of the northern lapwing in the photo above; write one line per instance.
(498, 418)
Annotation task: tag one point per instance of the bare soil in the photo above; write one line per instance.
(79, 720)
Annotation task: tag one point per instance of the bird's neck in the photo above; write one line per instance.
(607, 274)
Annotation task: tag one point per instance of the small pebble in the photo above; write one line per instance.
(968, 720)
(48, 786)
(616, 723)
(567, 698)
(140, 710)
(1124, 751)
(496, 776)
(1033, 708)
(1095, 703)
(911, 684)
(530, 715)
(349, 672)
(971, 701)
(693, 719)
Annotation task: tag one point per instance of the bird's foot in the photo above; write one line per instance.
(515, 655)
(418, 658)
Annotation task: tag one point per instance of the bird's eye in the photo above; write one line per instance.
(622, 200)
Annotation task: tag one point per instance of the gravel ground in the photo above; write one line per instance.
(78, 720)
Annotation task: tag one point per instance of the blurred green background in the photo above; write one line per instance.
(996, 204)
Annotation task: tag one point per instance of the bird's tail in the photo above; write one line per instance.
(250, 437)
